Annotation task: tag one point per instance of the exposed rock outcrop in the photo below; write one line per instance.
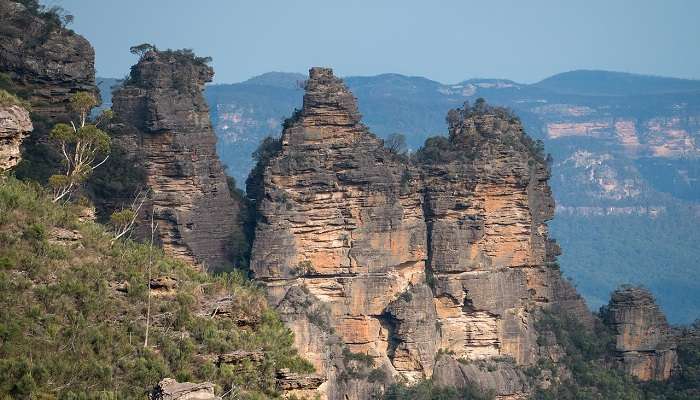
(503, 378)
(170, 389)
(46, 62)
(163, 120)
(240, 357)
(298, 385)
(341, 232)
(487, 202)
(645, 344)
(14, 126)
(365, 251)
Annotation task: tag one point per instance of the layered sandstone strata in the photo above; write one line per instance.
(487, 202)
(341, 235)
(645, 345)
(163, 120)
(14, 126)
(170, 389)
(45, 62)
(444, 259)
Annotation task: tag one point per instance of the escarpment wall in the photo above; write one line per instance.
(407, 263)
(163, 120)
(45, 62)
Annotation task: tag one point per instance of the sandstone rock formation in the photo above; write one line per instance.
(45, 62)
(339, 235)
(163, 120)
(645, 345)
(486, 204)
(14, 126)
(299, 385)
(364, 251)
(504, 378)
(170, 389)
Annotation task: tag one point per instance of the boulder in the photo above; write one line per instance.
(14, 127)
(170, 389)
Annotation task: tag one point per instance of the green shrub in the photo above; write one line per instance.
(585, 352)
(377, 375)
(427, 390)
(362, 358)
(9, 99)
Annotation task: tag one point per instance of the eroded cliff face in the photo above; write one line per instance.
(487, 201)
(645, 346)
(14, 126)
(341, 235)
(408, 263)
(163, 120)
(46, 63)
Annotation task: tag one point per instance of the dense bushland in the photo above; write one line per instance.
(588, 376)
(73, 312)
(427, 390)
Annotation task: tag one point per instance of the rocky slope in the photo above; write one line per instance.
(645, 346)
(445, 260)
(162, 119)
(14, 126)
(75, 307)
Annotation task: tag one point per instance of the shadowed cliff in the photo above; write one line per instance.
(162, 120)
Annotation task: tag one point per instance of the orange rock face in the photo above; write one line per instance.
(557, 130)
(627, 134)
(364, 251)
(645, 346)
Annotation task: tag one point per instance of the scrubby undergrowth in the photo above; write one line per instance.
(73, 313)
(9, 99)
(427, 390)
(585, 374)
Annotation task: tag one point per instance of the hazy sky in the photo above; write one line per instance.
(449, 41)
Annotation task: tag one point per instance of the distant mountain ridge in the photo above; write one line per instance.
(609, 83)
(288, 80)
(581, 82)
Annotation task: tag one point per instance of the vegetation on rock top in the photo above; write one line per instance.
(464, 146)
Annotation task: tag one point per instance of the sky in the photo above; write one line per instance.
(445, 40)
